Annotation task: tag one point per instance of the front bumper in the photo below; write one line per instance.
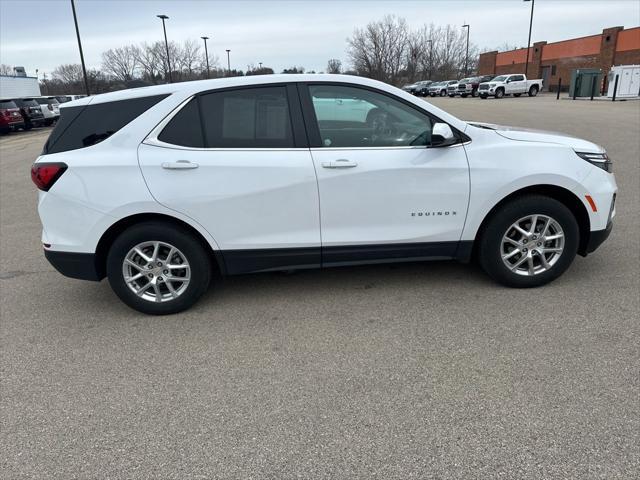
(82, 266)
(597, 238)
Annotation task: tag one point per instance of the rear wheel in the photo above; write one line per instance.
(474, 92)
(529, 242)
(158, 268)
(533, 91)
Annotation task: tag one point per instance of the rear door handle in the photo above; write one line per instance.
(340, 163)
(179, 165)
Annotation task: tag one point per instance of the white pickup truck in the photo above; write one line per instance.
(515, 84)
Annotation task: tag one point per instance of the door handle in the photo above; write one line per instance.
(179, 165)
(340, 163)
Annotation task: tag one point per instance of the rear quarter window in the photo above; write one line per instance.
(83, 126)
(5, 104)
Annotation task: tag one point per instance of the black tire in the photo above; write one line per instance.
(474, 92)
(27, 126)
(500, 93)
(463, 95)
(533, 91)
(442, 93)
(484, 97)
(196, 255)
(490, 242)
(517, 94)
(432, 94)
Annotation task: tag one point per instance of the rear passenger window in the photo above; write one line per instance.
(184, 128)
(247, 118)
(83, 126)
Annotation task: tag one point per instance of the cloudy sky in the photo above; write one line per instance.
(40, 33)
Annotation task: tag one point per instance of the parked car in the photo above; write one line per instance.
(68, 98)
(469, 86)
(30, 111)
(452, 89)
(167, 184)
(421, 89)
(50, 109)
(440, 88)
(10, 118)
(515, 85)
(408, 87)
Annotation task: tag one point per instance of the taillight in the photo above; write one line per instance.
(44, 175)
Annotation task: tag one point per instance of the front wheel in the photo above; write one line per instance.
(529, 242)
(499, 93)
(158, 268)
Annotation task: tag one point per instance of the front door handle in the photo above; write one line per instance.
(340, 163)
(179, 165)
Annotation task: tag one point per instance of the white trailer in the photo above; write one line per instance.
(628, 81)
(19, 87)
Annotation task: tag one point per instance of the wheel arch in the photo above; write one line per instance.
(563, 195)
(108, 237)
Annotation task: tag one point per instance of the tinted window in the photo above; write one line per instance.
(247, 118)
(87, 125)
(42, 101)
(7, 104)
(184, 128)
(355, 117)
(517, 78)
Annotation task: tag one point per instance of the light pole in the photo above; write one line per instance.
(466, 57)
(206, 54)
(430, 56)
(260, 63)
(228, 62)
(84, 70)
(526, 66)
(166, 43)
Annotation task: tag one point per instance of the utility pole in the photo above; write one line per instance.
(84, 69)
(526, 67)
(166, 44)
(466, 57)
(206, 54)
(228, 62)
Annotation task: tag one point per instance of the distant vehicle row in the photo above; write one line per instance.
(483, 86)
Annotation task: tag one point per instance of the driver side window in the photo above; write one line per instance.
(355, 117)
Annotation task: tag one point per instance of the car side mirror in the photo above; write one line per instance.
(442, 135)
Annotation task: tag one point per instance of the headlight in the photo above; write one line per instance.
(600, 160)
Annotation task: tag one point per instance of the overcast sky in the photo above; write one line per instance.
(40, 34)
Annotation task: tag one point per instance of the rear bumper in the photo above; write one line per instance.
(75, 265)
(597, 238)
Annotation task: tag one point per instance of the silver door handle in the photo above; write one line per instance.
(340, 163)
(179, 165)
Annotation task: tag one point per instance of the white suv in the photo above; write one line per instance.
(157, 188)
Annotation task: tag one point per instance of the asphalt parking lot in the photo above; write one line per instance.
(407, 371)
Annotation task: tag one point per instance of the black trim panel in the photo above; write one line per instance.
(269, 259)
(74, 265)
(272, 259)
(596, 238)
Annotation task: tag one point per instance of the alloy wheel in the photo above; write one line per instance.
(156, 271)
(532, 245)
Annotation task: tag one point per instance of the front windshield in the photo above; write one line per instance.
(501, 78)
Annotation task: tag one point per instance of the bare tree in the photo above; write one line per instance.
(188, 60)
(121, 63)
(378, 50)
(6, 69)
(68, 73)
(334, 66)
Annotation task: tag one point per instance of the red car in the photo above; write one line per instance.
(10, 118)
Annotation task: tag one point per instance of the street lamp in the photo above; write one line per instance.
(466, 57)
(430, 56)
(206, 54)
(526, 67)
(228, 62)
(84, 70)
(166, 43)
(260, 63)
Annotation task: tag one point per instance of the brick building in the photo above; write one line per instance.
(551, 61)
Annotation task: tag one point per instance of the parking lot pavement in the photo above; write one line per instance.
(408, 371)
